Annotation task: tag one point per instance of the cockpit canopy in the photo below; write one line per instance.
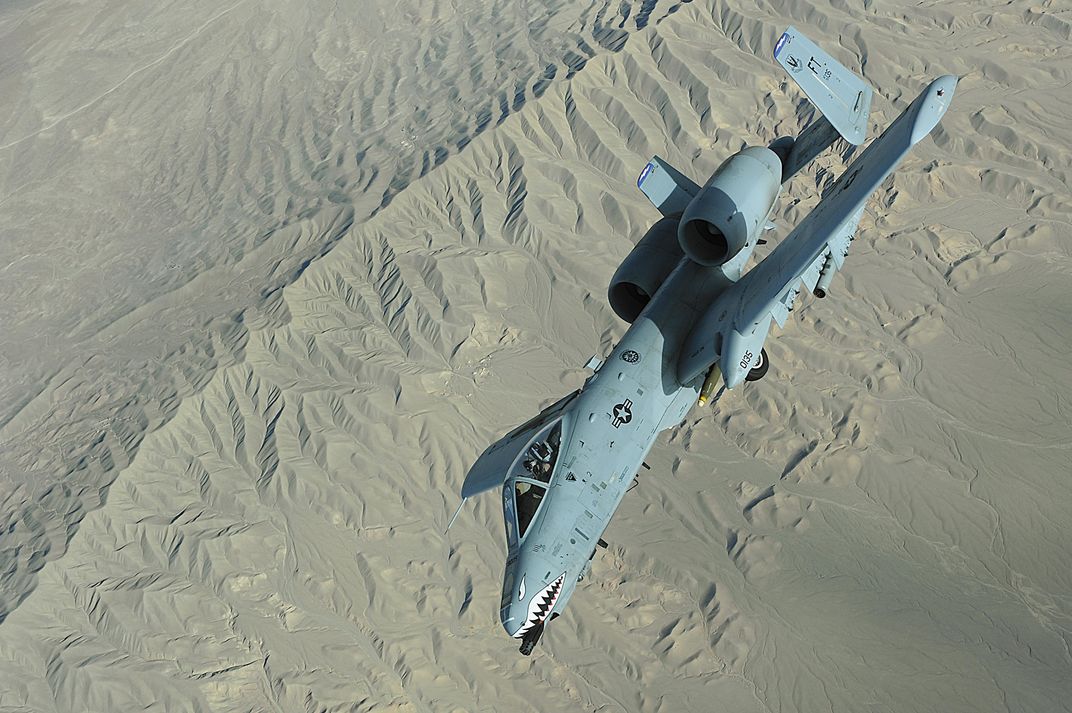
(496, 464)
(528, 479)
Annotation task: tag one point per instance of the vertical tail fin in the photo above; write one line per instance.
(842, 97)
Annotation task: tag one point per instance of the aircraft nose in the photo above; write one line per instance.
(524, 613)
(515, 600)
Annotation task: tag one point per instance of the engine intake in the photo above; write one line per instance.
(730, 211)
(645, 269)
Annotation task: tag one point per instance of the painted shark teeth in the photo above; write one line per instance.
(540, 605)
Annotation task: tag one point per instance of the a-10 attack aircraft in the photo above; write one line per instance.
(695, 316)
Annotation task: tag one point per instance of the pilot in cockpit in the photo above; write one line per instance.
(540, 461)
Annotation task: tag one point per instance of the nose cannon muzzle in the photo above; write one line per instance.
(533, 614)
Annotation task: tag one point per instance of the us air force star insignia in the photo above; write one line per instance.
(630, 357)
(622, 413)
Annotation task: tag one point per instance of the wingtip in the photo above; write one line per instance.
(934, 102)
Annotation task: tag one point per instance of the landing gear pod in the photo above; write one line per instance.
(759, 369)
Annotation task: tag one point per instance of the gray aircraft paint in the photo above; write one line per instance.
(768, 290)
(602, 450)
(701, 316)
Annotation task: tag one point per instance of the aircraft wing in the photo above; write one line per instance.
(829, 260)
(767, 292)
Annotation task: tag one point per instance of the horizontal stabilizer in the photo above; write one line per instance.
(842, 97)
(667, 188)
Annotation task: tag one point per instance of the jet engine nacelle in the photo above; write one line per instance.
(731, 210)
(645, 269)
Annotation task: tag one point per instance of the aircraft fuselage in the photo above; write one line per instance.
(564, 472)
(606, 433)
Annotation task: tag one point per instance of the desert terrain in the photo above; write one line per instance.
(273, 275)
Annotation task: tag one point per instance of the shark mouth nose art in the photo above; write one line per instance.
(540, 605)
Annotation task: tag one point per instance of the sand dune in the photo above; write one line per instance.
(159, 194)
(310, 261)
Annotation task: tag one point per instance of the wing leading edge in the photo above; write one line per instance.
(762, 286)
(767, 292)
(763, 291)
